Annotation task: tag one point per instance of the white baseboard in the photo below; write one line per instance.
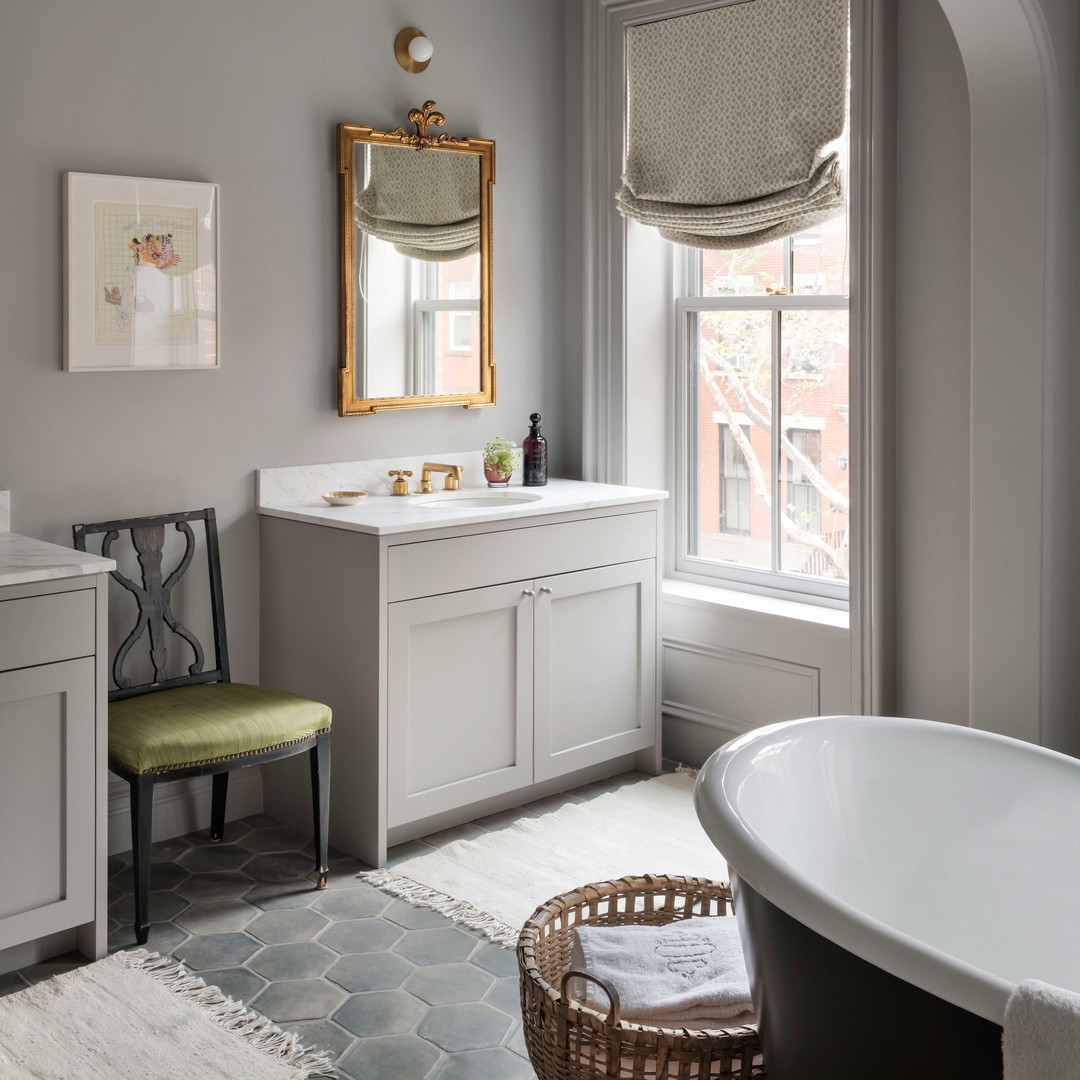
(182, 806)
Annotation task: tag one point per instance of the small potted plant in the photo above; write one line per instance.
(500, 459)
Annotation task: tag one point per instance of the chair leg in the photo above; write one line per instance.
(217, 808)
(142, 822)
(320, 801)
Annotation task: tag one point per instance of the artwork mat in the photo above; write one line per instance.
(83, 193)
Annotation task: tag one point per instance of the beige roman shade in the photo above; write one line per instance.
(730, 110)
(424, 202)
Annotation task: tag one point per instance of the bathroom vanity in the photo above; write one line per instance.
(52, 751)
(479, 648)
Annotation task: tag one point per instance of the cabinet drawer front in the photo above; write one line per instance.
(471, 562)
(44, 629)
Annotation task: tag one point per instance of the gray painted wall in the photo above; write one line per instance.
(248, 93)
(933, 366)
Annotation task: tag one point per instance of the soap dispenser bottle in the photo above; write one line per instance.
(534, 455)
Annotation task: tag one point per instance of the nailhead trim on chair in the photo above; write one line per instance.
(230, 757)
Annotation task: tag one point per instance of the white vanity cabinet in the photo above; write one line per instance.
(470, 667)
(52, 753)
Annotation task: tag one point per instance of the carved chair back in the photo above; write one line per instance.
(154, 598)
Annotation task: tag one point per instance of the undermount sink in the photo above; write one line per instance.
(473, 500)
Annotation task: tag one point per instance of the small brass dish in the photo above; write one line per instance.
(343, 498)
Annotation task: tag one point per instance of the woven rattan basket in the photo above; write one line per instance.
(567, 1041)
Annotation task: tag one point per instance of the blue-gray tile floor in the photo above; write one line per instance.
(390, 991)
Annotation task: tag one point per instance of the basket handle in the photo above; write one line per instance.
(615, 1007)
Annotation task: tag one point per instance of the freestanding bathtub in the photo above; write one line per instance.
(894, 879)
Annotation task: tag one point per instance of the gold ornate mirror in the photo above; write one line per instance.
(416, 267)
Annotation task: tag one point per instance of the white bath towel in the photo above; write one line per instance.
(687, 974)
(1042, 1033)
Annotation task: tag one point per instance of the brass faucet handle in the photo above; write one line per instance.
(401, 485)
(453, 479)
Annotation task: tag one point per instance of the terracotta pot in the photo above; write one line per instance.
(496, 478)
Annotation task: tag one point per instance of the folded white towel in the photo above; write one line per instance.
(687, 974)
(1042, 1033)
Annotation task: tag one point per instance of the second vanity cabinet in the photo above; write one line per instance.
(470, 668)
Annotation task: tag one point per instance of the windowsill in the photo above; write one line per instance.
(692, 594)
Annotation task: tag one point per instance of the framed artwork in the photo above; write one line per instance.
(141, 267)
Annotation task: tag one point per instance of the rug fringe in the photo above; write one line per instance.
(458, 911)
(233, 1016)
(686, 770)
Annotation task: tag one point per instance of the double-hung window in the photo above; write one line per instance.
(762, 437)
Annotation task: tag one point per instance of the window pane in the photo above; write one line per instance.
(732, 468)
(459, 279)
(819, 259)
(750, 272)
(814, 449)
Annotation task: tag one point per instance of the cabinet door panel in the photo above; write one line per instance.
(595, 692)
(47, 777)
(459, 699)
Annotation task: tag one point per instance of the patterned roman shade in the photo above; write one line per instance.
(424, 202)
(729, 113)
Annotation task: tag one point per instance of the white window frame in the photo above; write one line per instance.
(682, 565)
(597, 139)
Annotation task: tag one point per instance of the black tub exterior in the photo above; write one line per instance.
(825, 1014)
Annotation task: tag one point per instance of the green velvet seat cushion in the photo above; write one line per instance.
(191, 724)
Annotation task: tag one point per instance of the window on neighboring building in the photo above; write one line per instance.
(803, 495)
(734, 482)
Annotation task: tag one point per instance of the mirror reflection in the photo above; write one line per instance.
(416, 268)
(418, 219)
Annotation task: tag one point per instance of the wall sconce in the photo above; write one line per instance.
(413, 50)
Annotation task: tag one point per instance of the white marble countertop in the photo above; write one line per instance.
(24, 561)
(296, 494)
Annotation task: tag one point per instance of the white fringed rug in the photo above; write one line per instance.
(136, 1016)
(494, 882)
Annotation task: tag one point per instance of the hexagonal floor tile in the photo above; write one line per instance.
(506, 995)
(56, 965)
(270, 840)
(11, 983)
(392, 1056)
(361, 935)
(224, 885)
(299, 999)
(470, 1026)
(298, 960)
(444, 946)
(290, 924)
(217, 951)
(216, 916)
(445, 984)
(285, 866)
(370, 971)
(499, 961)
(323, 1035)
(485, 1065)
(117, 864)
(380, 1012)
(414, 918)
(233, 831)
(168, 850)
(239, 983)
(164, 938)
(362, 902)
(163, 905)
(260, 821)
(163, 875)
(207, 860)
(275, 895)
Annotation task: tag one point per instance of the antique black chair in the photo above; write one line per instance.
(198, 723)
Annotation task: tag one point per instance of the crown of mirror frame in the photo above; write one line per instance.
(416, 267)
(413, 49)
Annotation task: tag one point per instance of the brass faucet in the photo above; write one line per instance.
(453, 477)
(401, 485)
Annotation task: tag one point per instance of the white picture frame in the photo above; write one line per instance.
(141, 274)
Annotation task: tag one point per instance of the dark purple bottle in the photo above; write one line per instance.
(534, 455)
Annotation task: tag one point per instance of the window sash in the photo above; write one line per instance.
(688, 303)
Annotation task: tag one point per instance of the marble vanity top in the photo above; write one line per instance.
(296, 493)
(24, 561)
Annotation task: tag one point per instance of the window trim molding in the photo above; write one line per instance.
(603, 341)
